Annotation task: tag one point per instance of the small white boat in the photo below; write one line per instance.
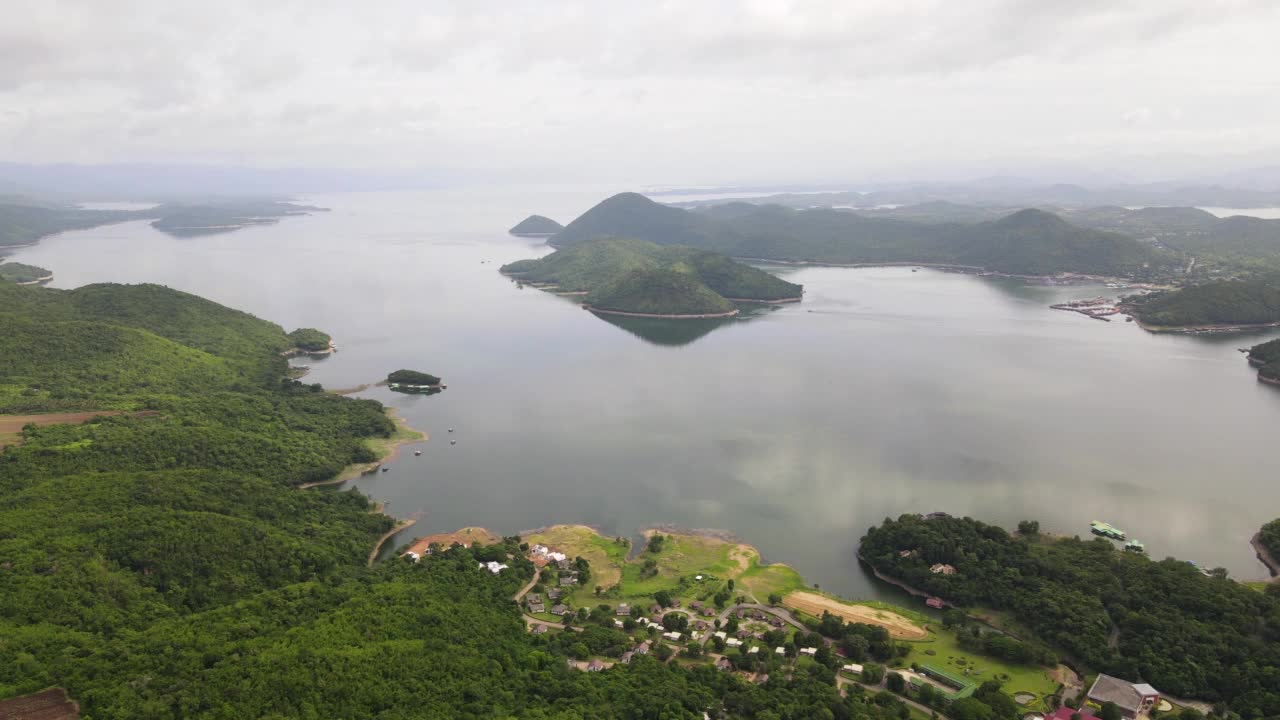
(417, 452)
(450, 429)
(453, 442)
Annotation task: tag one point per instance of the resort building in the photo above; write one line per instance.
(1132, 699)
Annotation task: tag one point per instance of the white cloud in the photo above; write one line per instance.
(638, 92)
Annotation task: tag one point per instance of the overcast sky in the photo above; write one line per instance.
(647, 92)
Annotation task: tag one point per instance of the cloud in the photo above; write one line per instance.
(640, 92)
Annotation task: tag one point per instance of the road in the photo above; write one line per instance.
(842, 681)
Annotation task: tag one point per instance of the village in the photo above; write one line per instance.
(692, 599)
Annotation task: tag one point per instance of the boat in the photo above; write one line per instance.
(1135, 546)
(1106, 530)
(450, 429)
(385, 469)
(453, 442)
(417, 452)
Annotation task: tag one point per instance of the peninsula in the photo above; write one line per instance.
(1266, 357)
(636, 277)
(1215, 306)
(23, 274)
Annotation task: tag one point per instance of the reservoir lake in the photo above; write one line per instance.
(796, 427)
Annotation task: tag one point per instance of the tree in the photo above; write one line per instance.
(872, 673)
(1110, 711)
(775, 599)
(662, 598)
(895, 682)
(1029, 528)
(970, 709)
(662, 651)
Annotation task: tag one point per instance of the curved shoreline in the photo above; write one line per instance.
(703, 316)
(408, 435)
(399, 526)
(37, 281)
(779, 301)
(1201, 329)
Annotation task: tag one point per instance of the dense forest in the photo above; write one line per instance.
(1269, 536)
(412, 377)
(310, 340)
(1220, 302)
(1267, 358)
(640, 276)
(1161, 622)
(24, 223)
(1028, 242)
(162, 564)
(22, 273)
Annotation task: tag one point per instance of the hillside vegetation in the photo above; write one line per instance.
(310, 340)
(1030, 242)
(1075, 594)
(165, 567)
(1267, 357)
(21, 273)
(536, 225)
(1220, 302)
(627, 275)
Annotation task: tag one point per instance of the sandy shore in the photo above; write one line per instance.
(1203, 329)
(38, 281)
(466, 536)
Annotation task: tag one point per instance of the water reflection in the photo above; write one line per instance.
(672, 333)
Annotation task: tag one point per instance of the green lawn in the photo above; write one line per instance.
(1021, 678)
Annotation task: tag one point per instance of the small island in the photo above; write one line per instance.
(310, 341)
(192, 220)
(24, 274)
(412, 381)
(536, 226)
(1266, 357)
(639, 278)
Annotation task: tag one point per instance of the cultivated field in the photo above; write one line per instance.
(467, 536)
(11, 425)
(50, 704)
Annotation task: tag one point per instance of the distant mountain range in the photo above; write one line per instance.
(1026, 242)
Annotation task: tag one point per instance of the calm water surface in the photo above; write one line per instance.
(886, 391)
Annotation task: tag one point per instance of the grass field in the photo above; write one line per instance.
(947, 654)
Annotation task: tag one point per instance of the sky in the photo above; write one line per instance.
(649, 92)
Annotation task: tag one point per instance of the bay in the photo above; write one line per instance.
(886, 391)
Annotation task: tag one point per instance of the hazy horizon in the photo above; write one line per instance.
(661, 94)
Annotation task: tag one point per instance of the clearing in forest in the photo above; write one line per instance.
(814, 604)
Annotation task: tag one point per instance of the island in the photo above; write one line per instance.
(1214, 306)
(412, 381)
(1266, 357)
(1028, 242)
(23, 274)
(192, 220)
(536, 226)
(310, 341)
(640, 278)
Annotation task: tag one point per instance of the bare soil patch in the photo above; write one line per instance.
(814, 604)
(467, 536)
(11, 425)
(52, 704)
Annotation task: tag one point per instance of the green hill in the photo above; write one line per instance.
(23, 224)
(1267, 359)
(597, 265)
(1026, 242)
(1224, 302)
(658, 291)
(21, 273)
(537, 226)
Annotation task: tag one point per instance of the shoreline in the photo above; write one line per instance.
(1065, 278)
(399, 526)
(37, 281)
(702, 316)
(1201, 329)
(779, 301)
(1264, 556)
(403, 435)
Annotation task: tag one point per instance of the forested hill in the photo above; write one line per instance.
(1075, 593)
(163, 566)
(1254, 301)
(1030, 242)
(643, 277)
(536, 225)
(23, 224)
(1267, 358)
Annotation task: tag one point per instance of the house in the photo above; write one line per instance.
(696, 605)
(563, 563)
(493, 566)
(708, 611)
(642, 648)
(695, 634)
(724, 664)
(539, 629)
(1132, 699)
(762, 678)
(566, 580)
(780, 651)
(537, 607)
(733, 642)
(743, 634)
(907, 553)
(675, 602)
(937, 515)
(854, 668)
(553, 594)
(809, 651)
(1065, 713)
(672, 636)
(655, 609)
(626, 657)
(721, 634)
(560, 610)
(533, 598)
(934, 602)
(941, 569)
(617, 623)
(741, 613)
(413, 556)
(753, 650)
(595, 666)
(623, 609)
(701, 625)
